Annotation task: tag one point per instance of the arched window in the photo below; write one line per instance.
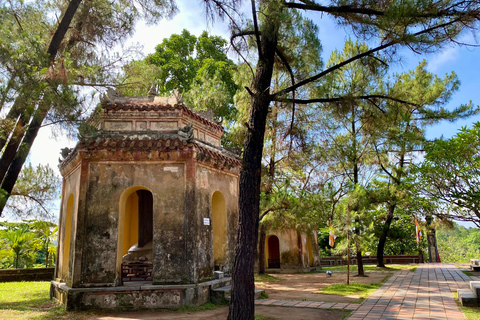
(219, 228)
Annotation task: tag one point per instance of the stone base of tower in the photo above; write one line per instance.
(135, 295)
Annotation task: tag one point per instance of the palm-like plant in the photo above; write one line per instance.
(19, 242)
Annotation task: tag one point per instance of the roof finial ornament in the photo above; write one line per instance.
(176, 96)
(153, 90)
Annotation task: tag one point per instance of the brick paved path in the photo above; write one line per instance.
(426, 293)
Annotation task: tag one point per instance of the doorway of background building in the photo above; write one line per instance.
(273, 252)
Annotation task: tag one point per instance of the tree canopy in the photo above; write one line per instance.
(48, 51)
(198, 67)
(423, 26)
(450, 175)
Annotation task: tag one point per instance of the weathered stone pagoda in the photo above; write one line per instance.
(149, 208)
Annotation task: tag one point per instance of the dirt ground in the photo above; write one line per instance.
(290, 287)
(306, 286)
(280, 313)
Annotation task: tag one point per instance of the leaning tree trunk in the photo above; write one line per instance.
(384, 235)
(16, 166)
(15, 163)
(242, 305)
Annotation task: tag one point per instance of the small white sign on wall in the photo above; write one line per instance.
(206, 221)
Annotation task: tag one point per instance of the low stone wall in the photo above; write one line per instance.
(37, 274)
(135, 296)
(399, 259)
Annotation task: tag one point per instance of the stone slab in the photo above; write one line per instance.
(467, 298)
(474, 267)
(475, 287)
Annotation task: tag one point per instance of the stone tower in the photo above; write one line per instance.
(150, 198)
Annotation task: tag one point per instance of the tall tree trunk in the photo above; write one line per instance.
(15, 164)
(361, 272)
(268, 191)
(242, 305)
(384, 235)
(261, 250)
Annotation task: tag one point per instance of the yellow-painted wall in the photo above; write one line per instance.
(219, 226)
(130, 232)
(310, 251)
(67, 236)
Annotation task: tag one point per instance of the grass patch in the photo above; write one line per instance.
(203, 307)
(354, 288)
(265, 278)
(470, 312)
(263, 295)
(371, 267)
(262, 317)
(31, 300)
(468, 273)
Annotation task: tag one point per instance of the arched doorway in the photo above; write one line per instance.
(135, 226)
(67, 235)
(219, 229)
(273, 252)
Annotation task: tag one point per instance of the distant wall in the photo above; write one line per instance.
(37, 274)
(399, 259)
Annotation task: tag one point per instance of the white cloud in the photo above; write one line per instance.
(445, 57)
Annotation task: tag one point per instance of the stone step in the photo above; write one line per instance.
(475, 287)
(467, 298)
(223, 294)
(475, 262)
(474, 267)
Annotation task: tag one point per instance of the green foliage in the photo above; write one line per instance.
(47, 58)
(198, 67)
(35, 193)
(401, 236)
(458, 244)
(450, 174)
(23, 244)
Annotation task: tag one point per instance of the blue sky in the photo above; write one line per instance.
(464, 61)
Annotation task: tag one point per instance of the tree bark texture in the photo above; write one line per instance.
(243, 288)
(21, 155)
(383, 237)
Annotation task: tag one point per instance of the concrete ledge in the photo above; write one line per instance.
(223, 294)
(474, 267)
(475, 287)
(467, 298)
(475, 262)
(135, 297)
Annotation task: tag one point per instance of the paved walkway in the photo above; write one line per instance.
(426, 293)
